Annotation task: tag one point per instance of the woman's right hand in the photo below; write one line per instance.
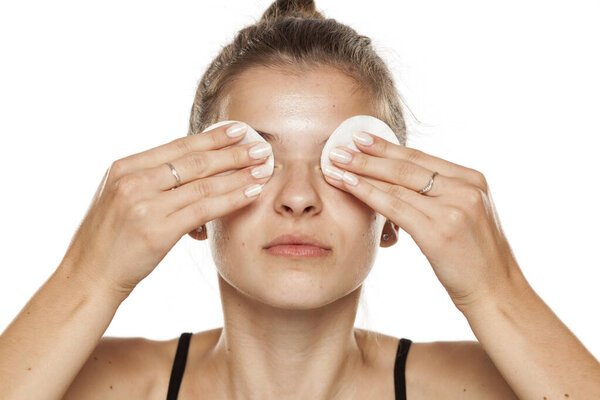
(135, 218)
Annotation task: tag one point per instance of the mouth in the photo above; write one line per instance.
(297, 250)
(297, 244)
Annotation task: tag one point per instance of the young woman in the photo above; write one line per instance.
(289, 310)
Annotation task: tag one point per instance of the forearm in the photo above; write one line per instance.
(538, 356)
(48, 342)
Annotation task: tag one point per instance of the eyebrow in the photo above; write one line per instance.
(269, 137)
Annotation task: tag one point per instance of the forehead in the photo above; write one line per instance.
(312, 102)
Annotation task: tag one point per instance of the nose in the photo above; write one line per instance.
(297, 189)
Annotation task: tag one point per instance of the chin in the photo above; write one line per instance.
(293, 289)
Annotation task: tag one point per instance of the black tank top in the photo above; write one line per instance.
(184, 344)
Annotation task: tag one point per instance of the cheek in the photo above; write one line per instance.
(218, 231)
(217, 239)
(231, 243)
(349, 212)
(359, 227)
(361, 243)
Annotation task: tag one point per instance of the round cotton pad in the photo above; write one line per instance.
(342, 135)
(250, 137)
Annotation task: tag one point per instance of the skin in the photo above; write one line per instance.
(288, 330)
(288, 323)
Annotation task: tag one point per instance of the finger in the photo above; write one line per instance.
(197, 165)
(402, 213)
(395, 171)
(207, 209)
(210, 140)
(425, 204)
(213, 186)
(384, 149)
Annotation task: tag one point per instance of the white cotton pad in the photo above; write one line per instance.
(250, 137)
(342, 135)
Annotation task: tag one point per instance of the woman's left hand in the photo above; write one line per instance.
(454, 224)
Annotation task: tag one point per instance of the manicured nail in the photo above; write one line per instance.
(350, 178)
(253, 190)
(236, 130)
(363, 138)
(340, 155)
(262, 171)
(333, 172)
(261, 150)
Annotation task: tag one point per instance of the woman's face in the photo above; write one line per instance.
(302, 111)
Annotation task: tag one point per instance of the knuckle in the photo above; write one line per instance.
(472, 196)
(361, 161)
(203, 188)
(126, 187)
(480, 181)
(197, 163)
(413, 155)
(401, 168)
(183, 145)
(398, 206)
(369, 191)
(117, 169)
(455, 219)
(139, 210)
(215, 139)
(238, 155)
(395, 191)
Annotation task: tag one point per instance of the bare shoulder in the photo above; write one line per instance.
(436, 370)
(450, 370)
(123, 368)
(133, 368)
(164, 354)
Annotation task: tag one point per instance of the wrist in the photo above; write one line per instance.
(508, 291)
(89, 284)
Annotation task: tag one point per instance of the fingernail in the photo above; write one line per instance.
(253, 190)
(261, 150)
(262, 171)
(236, 130)
(363, 138)
(333, 172)
(340, 155)
(350, 178)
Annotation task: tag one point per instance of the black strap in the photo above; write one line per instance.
(179, 365)
(399, 368)
(184, 343)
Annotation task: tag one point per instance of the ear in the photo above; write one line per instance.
(199, 235)
(392, 234)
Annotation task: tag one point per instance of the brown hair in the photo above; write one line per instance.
(293, 36)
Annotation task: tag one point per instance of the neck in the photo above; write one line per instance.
(266, 352)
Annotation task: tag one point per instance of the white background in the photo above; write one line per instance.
(510, 89)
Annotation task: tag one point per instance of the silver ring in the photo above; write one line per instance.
(174, 172)
(386, 236)
(429, 185)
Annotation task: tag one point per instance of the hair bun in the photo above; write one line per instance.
(292, 8)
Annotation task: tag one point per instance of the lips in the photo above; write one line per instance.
(297, 239)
